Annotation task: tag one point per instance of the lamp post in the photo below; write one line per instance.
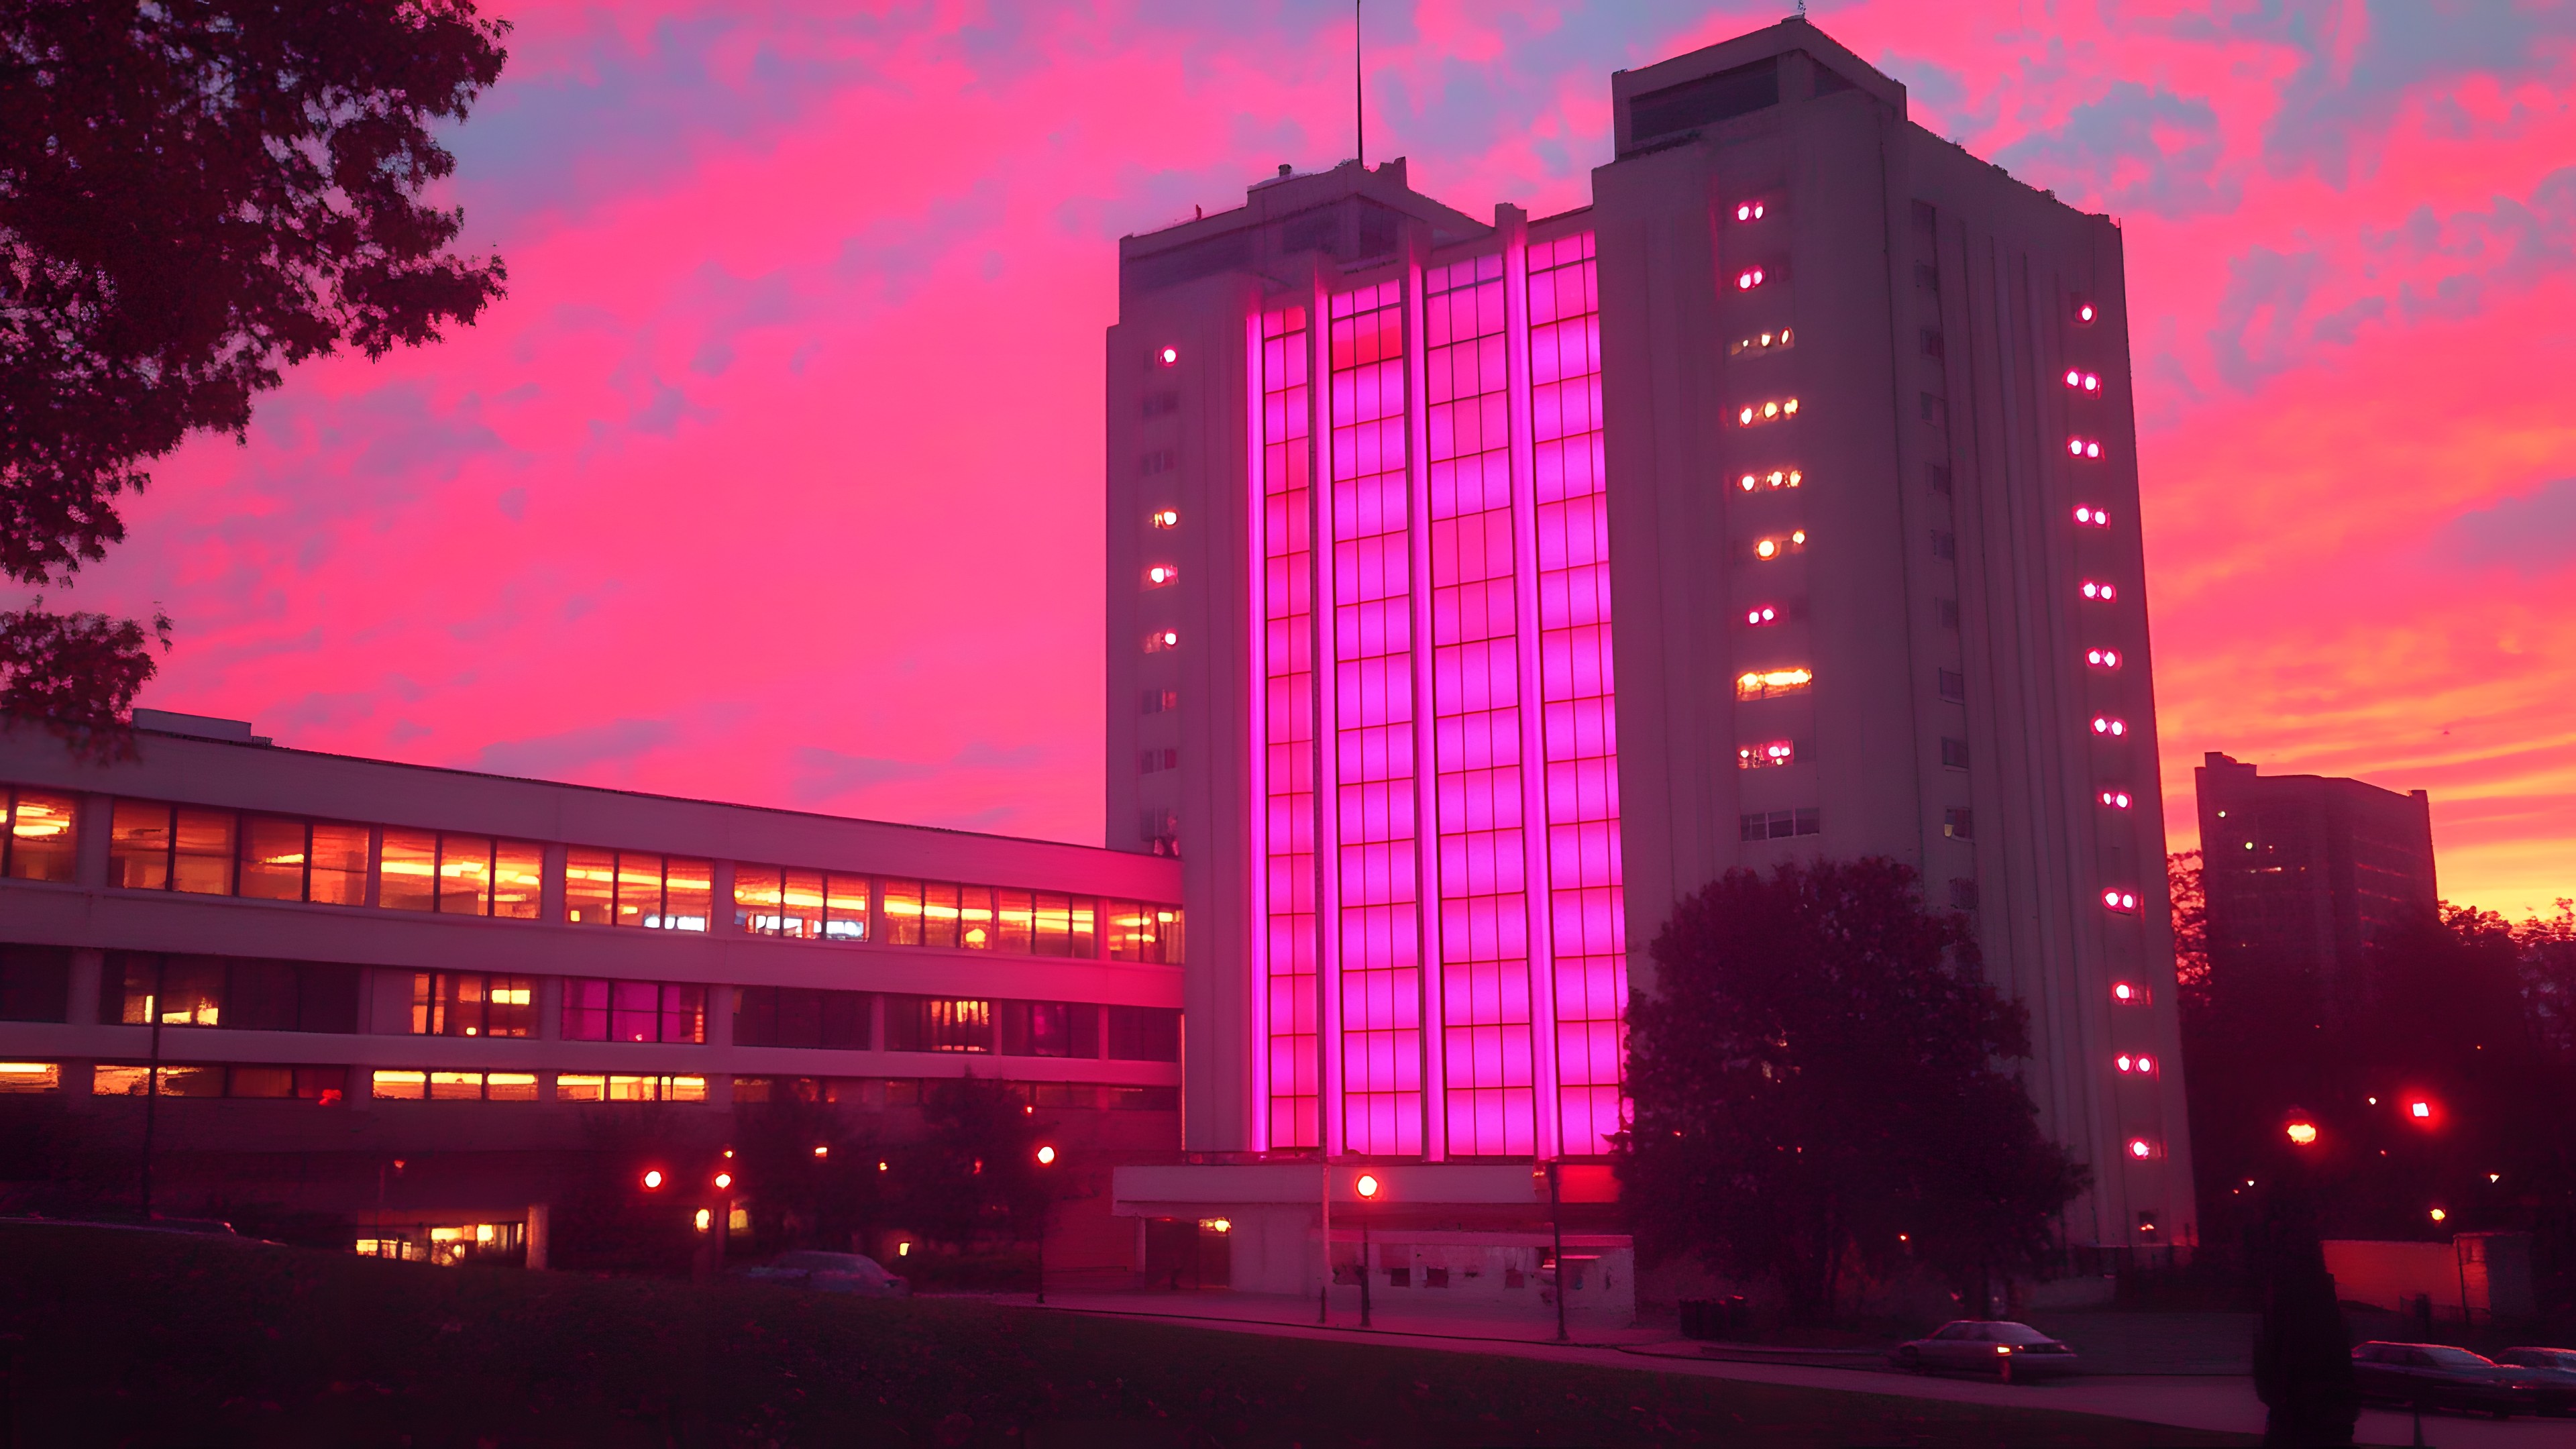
(1046, 1158)
(1368, 1188)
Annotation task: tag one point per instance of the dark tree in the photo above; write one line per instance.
(1819, 1069)
(195, 194)
(975, 1173)
(800, 1197)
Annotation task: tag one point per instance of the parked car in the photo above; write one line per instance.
(2556, 1366)
(2438, 1376)
(822, 1272)
(1985, 1345)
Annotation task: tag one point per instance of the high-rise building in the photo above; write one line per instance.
(1477, 588)
(2301, 873)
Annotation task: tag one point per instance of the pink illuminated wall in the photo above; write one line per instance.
(1578, 690)
(1476, 717)
(1469, 636)
(1373, 744)
(1287, 887)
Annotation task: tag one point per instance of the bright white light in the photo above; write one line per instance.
(2116, 799)
(1171, 355)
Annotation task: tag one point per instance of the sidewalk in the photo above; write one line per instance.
(2219, 1401)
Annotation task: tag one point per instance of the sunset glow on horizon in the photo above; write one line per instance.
(778, 476)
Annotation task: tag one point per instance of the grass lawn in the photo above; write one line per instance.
(150, 1339)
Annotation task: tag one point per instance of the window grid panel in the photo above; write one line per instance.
(1487, 1082)
(1578, 693)
(1377, 930)
(1289, 963)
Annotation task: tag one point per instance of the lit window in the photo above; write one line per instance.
(1748, 211)
(2116, 799)
(1748, 279)
(1772, 683)
(2140, 1065)
(1760, 342)
(1758, 757)
(2083, 310)
(1161, 640)
(2141, 1149)
(2103, 724)
(1160, 575)
(1782, 824)
(38, 844)
(2120, 900)
(2102, 658)
(1166, 518)
(2084, 447)
(1765, 412)
(30, 1076)
(2128, 993)
(2083, 381)
(2100, 592)
(1776, 478)
(1765, 614)
(449, 1003)
(2092, 517)
(1168, 356)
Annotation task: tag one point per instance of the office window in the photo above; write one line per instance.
(35, 983)
(807, 905)
(1143, 931)
(23, 1077)
(459, 875)
(794, 1016)
(938, 1024)
(1954, 754)
(627, 888)
(39, 843)
(437, 1086)
(155, 846)
(278, 1083)
(1954, 686)
(623, 1088)
(1143, 1033)
(1772, 683)
(1958, 824)
(451, 1003)
(287, 859)
(1781, 824)
(634, 1011)
(248, 993)
(1046, 1029)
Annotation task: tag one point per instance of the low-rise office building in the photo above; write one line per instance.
(401, 997)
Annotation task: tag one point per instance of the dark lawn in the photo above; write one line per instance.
(152, 1339)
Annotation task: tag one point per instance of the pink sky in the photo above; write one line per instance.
(777, 478)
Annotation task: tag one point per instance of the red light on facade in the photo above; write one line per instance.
(1161, 640)
(2103, 724)
(1757, 757)
(723, 1180)
(822, 1149)
(2128, 993)
(1046, 1156)
(2139, 1065)
(2140, 1149)
(1161, 574)
(2102, 658)
(2084, 447)
(2116, 799)
(1748, 279)
(1368, 1186)
(2100, 592)
(2083, 311)
(2083, 381)
(1169, 356)
(2300, 1131)
(1748, 211)
(1763, 615)
(2420, 1111)
(2120, 900)
(653, 1179)
(1165, 518)
(2092, 517)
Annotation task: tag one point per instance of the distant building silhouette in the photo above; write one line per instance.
(2302, 872)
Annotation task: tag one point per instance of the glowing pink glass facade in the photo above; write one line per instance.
(1439, 967)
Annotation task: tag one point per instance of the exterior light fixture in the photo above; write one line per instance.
(1763, 615)
(2301, 1133)
(1748, 279)
(2099, 591)
(1046, 1156)
(2083, 312)
(723, 1180)
(1748, 211)
(2120, 900)
(2084, 447)
(1166, 518)
(1161, 640)
(2421, 1111)
(2083, 381)
(881, 1167)
(1767, 548)
(2116, 799)
(2102, 658)
(822, 1149)
(2438, 1215)
(2128, 993)
(2103, 724)
(2140, 1149)
(1368, 1186)
(2092, 517)
(653, 1179)
(1168, 356)
(705, 1220)
(1160, 574)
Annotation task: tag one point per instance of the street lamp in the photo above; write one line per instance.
(1046, 1158)
(1368, 1188)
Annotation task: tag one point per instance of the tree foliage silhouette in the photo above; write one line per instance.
(194, 195)
(1816, 1072)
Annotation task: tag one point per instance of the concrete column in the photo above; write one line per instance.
(550, 896)
(82, 1006)
(90, 840)
(720, 920)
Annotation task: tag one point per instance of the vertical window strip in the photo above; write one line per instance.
(1372, 739)
(1287, 855)
(1578, 691)
(1485, 1056)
